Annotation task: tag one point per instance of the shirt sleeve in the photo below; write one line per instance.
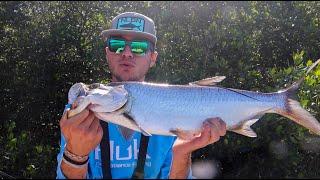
(190, 176)
(166, 166)
(60, 174)
(165, 169)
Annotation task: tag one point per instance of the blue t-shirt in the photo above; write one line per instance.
(124, 155)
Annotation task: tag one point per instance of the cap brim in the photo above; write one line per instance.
(116, 32)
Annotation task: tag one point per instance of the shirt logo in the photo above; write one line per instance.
(131, 23)
(116, 153)
(122, 158)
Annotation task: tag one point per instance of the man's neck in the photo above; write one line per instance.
(115, 79)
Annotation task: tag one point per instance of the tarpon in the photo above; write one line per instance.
(180, 110)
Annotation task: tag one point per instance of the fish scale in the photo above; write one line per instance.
(191, 104)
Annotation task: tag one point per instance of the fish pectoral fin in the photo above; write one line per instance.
(126, 132)
(208, 81)
(127, 125)
(137, 126)
(245, 128)
(183, 134)
(144, 132)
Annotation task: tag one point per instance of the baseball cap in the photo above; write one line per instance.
(133, 23)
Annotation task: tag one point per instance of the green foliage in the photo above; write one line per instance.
(260, 46)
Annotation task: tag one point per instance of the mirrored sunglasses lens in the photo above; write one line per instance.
(116, 45)
(139, 47)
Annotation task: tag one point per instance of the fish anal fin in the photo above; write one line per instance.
(208, 81)
(244, 128)
(184, 134)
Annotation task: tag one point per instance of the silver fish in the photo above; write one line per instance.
(180, 110)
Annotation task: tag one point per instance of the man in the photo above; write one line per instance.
(130, 53)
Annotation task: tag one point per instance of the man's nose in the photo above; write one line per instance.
(127, 52)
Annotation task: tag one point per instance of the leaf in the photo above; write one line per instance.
(309, 63)
(39, 149)
(279, 129)
(311, 82)
(317, 72)
(288, 70)
(304, 102)
(298, 57)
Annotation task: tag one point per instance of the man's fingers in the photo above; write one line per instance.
(64, 117)
(79, 118)
(223, 129)
(74, 105)
(95, 124)
(100, 131)
(219, 125)
(212, 130)
(88, 120)
(204, 138)
(214, 133)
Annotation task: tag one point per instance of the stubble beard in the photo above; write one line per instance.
(118, 78)
(132, 77)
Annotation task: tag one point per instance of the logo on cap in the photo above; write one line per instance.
(131, 23)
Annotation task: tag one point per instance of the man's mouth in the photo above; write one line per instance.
(127, 65)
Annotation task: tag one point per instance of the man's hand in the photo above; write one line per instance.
(82, 132)
(213, 129)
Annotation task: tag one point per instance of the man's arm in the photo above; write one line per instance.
(181, 162)
(82, 134)
(66, 167)
(74, 173)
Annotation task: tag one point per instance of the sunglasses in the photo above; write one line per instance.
(139, 47)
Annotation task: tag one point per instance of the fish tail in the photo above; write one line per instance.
(295, 112)
(293, 109)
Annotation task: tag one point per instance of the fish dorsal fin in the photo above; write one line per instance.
(208, 81)
(245, 128)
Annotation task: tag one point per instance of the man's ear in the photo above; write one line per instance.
(154, 56)
(106, 50)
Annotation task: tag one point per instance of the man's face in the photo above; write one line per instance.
(127, 66)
